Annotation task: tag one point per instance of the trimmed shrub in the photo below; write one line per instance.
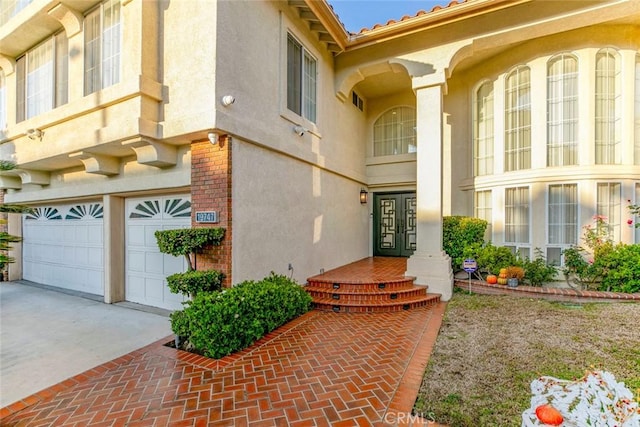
(221, 323)
(491, 258)
(459, 232)
(187, 241)
(193, 282)
(622, 269)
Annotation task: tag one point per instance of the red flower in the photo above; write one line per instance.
(629, 221)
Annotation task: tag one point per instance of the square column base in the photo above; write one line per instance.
(433, 270)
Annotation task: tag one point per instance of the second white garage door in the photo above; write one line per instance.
(146, 267)
(63, 247)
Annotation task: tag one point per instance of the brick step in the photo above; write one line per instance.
(364, 295)
(346, 285)
(329, 304)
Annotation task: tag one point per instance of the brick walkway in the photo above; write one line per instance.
(321, 369)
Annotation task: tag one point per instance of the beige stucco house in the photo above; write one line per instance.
(269, 119)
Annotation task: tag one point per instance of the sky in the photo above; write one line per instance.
(358, 14)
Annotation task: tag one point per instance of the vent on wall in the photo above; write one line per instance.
(357, 101)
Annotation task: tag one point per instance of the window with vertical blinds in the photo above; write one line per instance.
(483, 130)
(608, 206)
(301, 80)
(3, 101)
(636, 145)
(607, 107)
(42, 78)
(517, 153)
(483, 209)
(395, 132)
(562, 217)
(562, 111)
(516, 210)
(103, 47)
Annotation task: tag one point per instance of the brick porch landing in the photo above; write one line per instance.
(321, 369)
(375, 284)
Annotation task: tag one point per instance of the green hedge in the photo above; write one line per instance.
(193, 282)
(622, 269)
(220, 323)
(459, 232)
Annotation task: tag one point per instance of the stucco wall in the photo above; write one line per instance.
(287, 211)
(255, 73)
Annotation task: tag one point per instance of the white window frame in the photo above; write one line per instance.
(3, 102)
(103, 47)
(608, 98)
(42, 77)
(562, 110)
(483, 129)
(517, 112)
(394, 132)
(301, 94)
(637, 113)
(483, 209)
(611, 211)
(518, 245)
(565, 243)
(637, 217)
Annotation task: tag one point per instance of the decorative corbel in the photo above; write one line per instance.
(10, 183)
(70, 18)
(98, 164)
(153, 153)
(34, 177)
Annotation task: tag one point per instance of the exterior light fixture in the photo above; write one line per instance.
(213, 138)
(35, 134)
(364, 195)
(227, 100)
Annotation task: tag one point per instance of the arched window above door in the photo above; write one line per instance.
(395, 132)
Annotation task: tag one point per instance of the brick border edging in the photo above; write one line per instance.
(157, 347)
(80, 378)
(408, 388)
(553, 294)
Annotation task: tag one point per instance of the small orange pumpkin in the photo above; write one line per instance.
(549, 415)
(492, 279)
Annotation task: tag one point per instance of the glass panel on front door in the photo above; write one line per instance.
(394, 224)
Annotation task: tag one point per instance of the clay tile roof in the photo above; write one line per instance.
(407, 17)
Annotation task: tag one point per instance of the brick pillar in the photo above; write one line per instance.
(211, 191)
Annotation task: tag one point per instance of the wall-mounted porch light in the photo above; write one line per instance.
(364, 195)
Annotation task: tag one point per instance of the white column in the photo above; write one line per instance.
(14, 227)
(114, 249)
(429, 264)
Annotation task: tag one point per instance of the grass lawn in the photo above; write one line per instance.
(490, 348)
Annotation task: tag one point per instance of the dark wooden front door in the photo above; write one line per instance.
(394, 219)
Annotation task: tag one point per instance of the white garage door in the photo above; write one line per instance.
(63, 247)
(146, 267)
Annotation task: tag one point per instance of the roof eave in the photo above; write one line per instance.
(428, 20)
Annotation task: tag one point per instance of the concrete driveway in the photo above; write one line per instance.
(47, 336)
